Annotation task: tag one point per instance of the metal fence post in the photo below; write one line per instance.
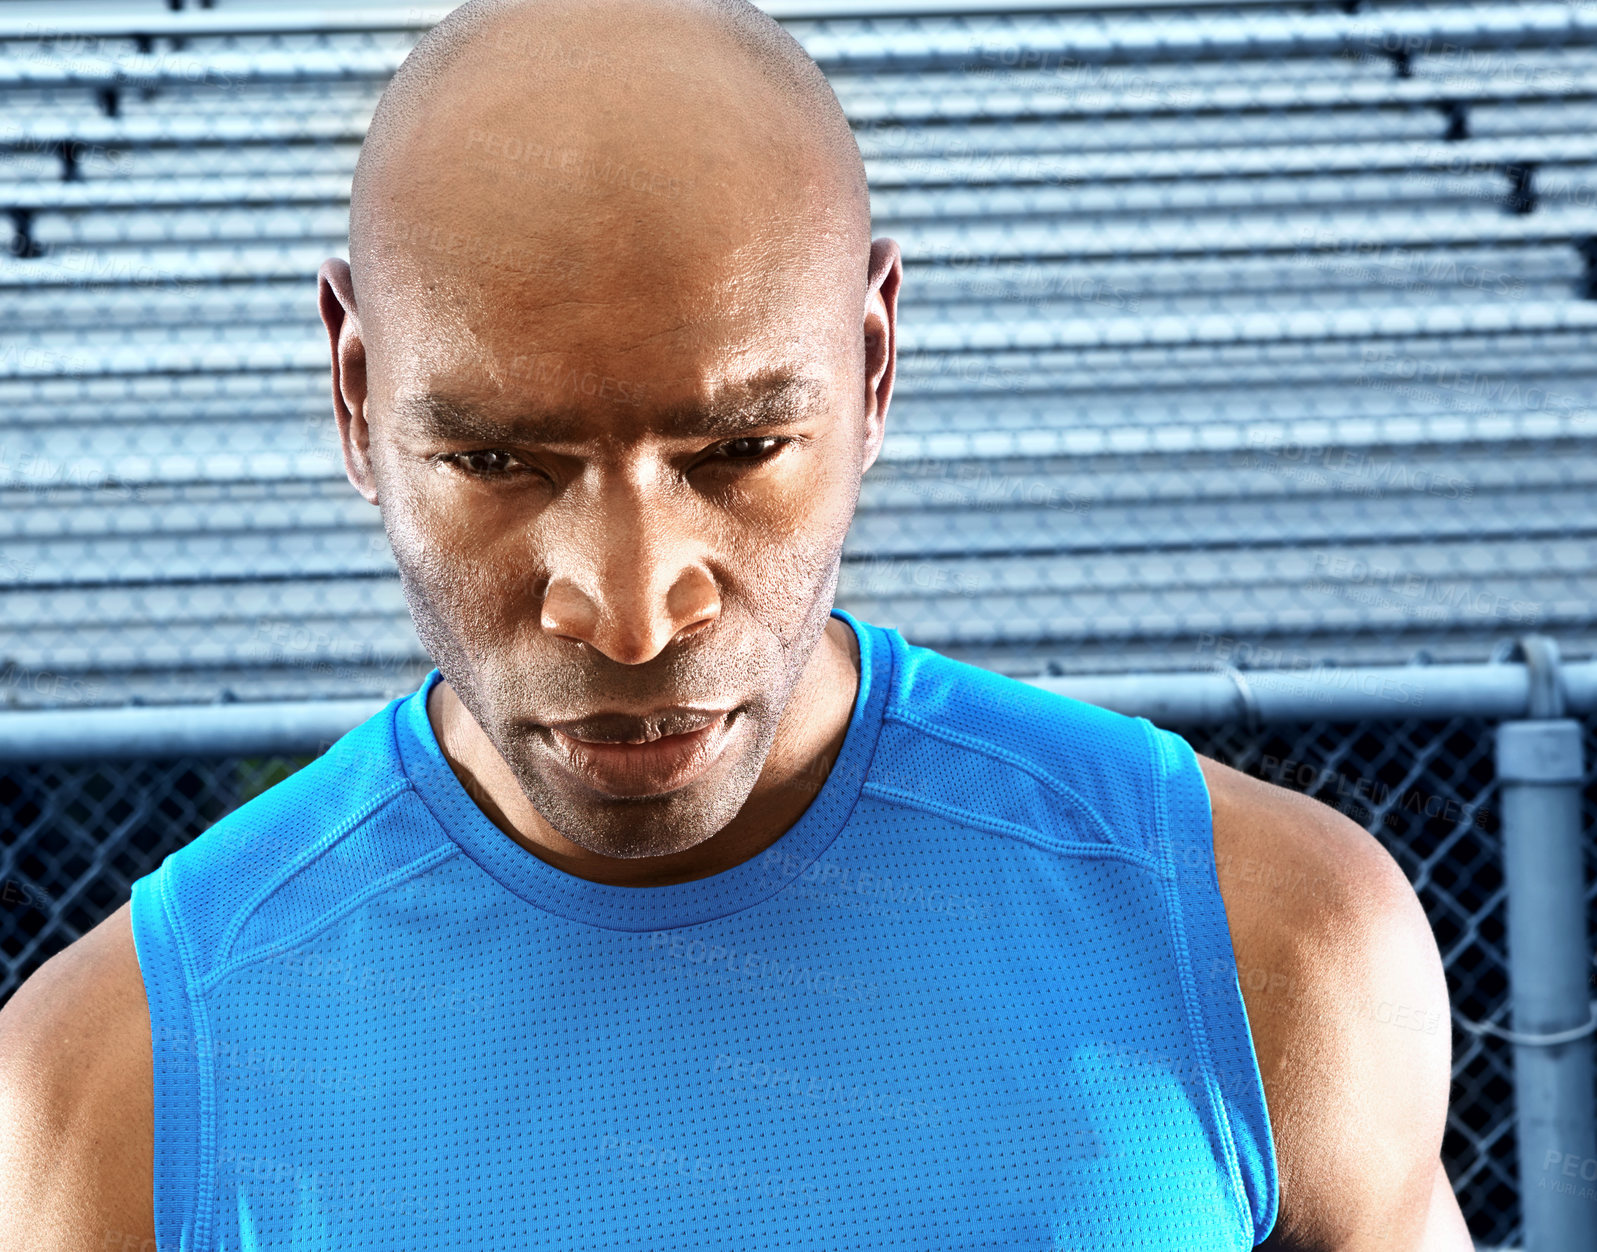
(1540, 771)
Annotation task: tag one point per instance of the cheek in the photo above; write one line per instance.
(783, 551)
(462, 559)
(433, 518)
(780, 578)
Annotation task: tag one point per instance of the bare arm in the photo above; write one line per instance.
(1347, 1004)
(76, 1102)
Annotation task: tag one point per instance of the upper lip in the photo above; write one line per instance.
(638, 727)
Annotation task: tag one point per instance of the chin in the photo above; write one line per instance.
(629, 827)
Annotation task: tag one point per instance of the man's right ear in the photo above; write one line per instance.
(335, 293)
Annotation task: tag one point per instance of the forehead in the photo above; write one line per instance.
(629, 249)
(533, 320)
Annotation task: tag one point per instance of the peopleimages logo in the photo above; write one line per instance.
(527, 156)
(1384, 368)
(551, 377)
(826, 1089)
(1566, 1172)
(778, 976)
(1308, 677)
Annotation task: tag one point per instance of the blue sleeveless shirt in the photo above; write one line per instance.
(982, 994)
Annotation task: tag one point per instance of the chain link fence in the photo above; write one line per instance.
(1426, 790)
(76, 836)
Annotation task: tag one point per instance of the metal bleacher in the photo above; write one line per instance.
(1255, 332)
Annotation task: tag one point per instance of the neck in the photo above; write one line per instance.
(808, 739)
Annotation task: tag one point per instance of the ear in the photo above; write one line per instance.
(335, 293)
(881, 340)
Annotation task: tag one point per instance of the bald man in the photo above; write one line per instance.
(677, 909)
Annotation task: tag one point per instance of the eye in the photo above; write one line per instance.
(752, 448)
(484, 463)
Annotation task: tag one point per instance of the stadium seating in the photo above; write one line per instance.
(1244, 332)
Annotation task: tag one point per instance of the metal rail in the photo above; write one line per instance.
(1187, 699)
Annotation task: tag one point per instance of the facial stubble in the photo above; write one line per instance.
(513, 682)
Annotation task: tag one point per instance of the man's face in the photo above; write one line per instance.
(617, 488)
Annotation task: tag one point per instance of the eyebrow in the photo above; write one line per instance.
(770, 401)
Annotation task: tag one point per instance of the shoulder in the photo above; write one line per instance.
(1348, 1008)
(956, 698)
(359, 772)
(973, 743)
(76, 1100)
(212, 886)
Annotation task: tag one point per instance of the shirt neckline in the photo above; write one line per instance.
(677, 904)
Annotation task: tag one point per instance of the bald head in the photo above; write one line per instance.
(612, 351)
(529, 136)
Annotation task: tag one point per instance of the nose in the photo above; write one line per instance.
(630, 579)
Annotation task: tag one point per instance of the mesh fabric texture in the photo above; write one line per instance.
(982, 994)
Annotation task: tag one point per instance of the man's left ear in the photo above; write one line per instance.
(881, 340)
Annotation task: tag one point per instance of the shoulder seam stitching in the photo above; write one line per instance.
(419, 865)
(300, 860)
(994, 752)
(1013, 830)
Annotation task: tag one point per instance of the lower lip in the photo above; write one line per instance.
(644, 769)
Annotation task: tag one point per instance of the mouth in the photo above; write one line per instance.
(636, 757)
